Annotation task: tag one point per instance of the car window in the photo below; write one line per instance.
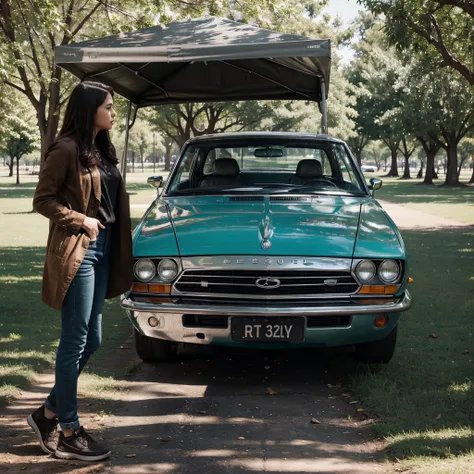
(181, 177)
(319, 166)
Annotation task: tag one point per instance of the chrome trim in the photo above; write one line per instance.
(345, 296)
(266, 264)
(255, 262)
(401, 304)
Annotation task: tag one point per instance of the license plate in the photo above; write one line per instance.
(267, 329)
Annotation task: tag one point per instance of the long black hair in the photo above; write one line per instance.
(79, 122)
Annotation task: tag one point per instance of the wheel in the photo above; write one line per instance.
(380, 351)
(150, 349)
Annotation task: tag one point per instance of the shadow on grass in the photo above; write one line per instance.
(26, 193)
(424, 397)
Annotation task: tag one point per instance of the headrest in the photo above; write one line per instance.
(225, 167)
(309, 169)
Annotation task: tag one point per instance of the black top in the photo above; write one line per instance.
(109, 185)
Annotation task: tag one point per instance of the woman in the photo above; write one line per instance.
(88, 256)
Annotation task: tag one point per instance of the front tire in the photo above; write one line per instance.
(150, 349)
(380, 351)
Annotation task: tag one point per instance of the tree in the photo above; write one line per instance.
(20, 140)
(440, 28)
(374, 75)
(407, 148)
(30, 30)
(454, 109)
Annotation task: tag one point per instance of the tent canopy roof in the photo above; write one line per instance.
(205, 60)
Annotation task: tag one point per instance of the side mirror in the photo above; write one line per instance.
(375, 184)
(156, 181)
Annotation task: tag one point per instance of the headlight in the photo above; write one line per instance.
(144, 269)
(167, 269)
(365, 270)
(389, 271)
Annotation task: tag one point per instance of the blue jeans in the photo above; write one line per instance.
(81, 329)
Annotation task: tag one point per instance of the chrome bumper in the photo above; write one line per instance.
(404, 303)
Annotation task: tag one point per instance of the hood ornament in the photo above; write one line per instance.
(266, 244)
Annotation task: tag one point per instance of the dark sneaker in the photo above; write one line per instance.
(45, 429)
(81, 446)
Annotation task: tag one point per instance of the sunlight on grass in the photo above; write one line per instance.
(13, 377)
(95, 386)
(463, 387)
(463, 464)
(11, 338)
(15, 369)
(9, 280)
(8, 392)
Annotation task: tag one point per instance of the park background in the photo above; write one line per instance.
(401, 95)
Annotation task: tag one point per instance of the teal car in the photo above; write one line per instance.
(267, 240)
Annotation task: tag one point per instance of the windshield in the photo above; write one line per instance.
(316, 167)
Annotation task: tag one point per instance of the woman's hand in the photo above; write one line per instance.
(91, 226)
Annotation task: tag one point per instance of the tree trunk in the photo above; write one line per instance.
(430, 171)
(48, 113)
(420, 172)
(359, 157)
(10, 167)
(18, 170)
(472, 177)
(167, 157)
(406, 171)
(452, 164)
(394, 167)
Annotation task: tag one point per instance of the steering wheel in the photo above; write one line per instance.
(319, 180)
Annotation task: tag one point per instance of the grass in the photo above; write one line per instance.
(424, 398)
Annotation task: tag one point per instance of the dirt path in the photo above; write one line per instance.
(211, 412)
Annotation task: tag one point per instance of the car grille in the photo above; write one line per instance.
(243, 283)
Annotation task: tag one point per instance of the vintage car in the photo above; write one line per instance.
(267, 240)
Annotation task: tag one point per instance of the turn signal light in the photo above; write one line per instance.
(152, 288)
(410, 280)
(381, 321)
(378, 290)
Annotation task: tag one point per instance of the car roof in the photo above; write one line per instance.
(278, 135)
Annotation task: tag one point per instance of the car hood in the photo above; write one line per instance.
(326, 226)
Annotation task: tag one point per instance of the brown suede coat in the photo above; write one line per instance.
(67, 193)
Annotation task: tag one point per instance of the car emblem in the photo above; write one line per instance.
(330, 282)
(266, 244)
(268, 283)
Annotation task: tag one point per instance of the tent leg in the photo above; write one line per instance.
(323, 108)
(125, 148)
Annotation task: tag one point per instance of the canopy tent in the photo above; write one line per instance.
(204, 60)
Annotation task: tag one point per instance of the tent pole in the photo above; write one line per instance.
(125, 148)
(323, 107)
